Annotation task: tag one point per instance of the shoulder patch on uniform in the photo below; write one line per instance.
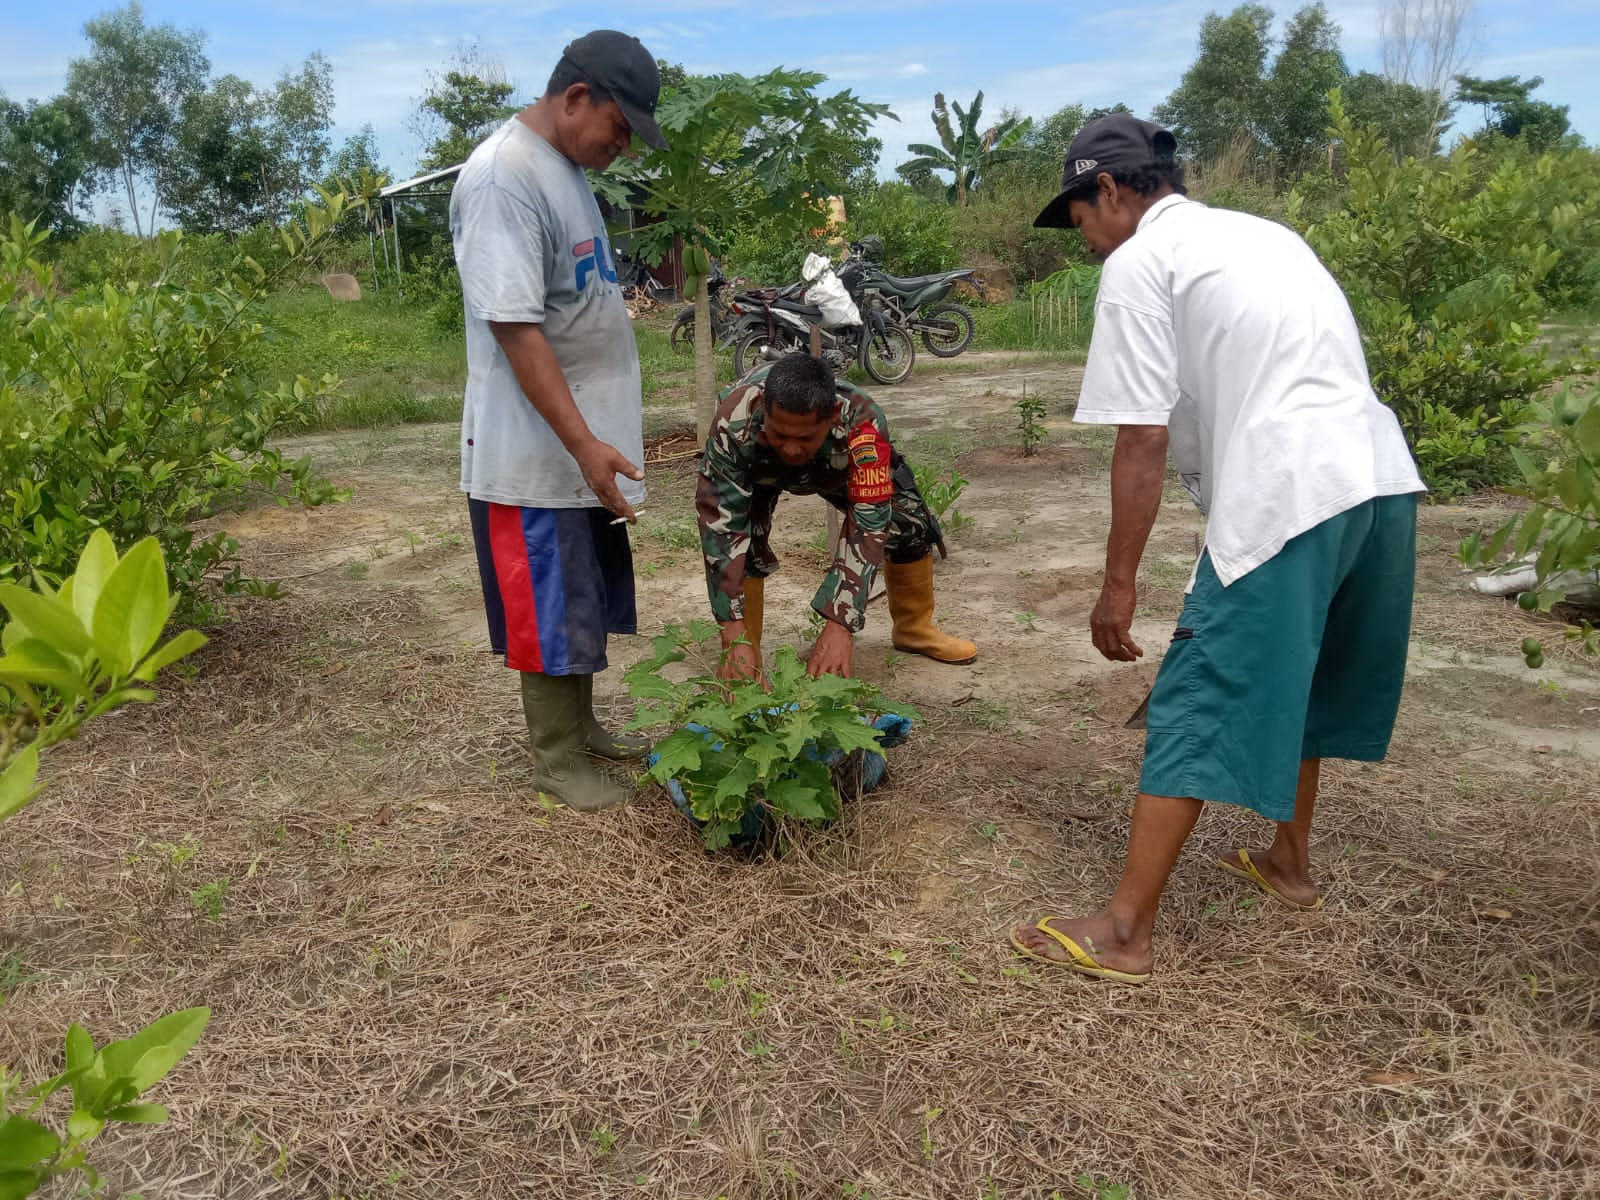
(870, 481)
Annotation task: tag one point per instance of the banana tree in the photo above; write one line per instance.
(742, 148)
(964, 151)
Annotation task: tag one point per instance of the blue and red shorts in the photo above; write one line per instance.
(556, 581)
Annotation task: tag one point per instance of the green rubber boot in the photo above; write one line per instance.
(554, 708)
(618, 747)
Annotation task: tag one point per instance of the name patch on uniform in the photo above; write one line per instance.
(870, 481)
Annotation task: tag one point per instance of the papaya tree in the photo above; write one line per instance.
(742, 148)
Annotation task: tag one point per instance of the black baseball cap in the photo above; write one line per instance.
(1116, 143)
(619, 63)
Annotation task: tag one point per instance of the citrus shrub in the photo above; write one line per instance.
(71, 654)
(1557, 453)
(1444, 261)
(128, 406)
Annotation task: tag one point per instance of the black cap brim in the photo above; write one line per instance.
(1055, 214)
(643, 124)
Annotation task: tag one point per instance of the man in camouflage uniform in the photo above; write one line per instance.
(790, 427)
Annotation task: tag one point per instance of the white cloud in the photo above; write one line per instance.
(913, 69)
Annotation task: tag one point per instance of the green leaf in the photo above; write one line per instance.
(95, 564)
(156, 1049)
(679, 753)
(84, 1126)
(80, 1048)
(133, 607)
(24, 1143)
(797, 798)
(1587, 431)
(184, 644)
(14, 1185)
(139, 1114)
(16, 784)
(47, 618)
(736, 784)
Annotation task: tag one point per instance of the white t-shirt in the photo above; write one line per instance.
(1227, 329)
(531, 247)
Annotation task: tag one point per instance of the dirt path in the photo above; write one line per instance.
(425, 985)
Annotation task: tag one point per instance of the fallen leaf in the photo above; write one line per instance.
(1541, 749)
(1495, 914)
(1391, 777)
(1437, 874)
(432, 806)
(382, 816)
(333, 670)
(1392, 1078)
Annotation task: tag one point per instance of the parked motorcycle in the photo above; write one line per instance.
(918, 302)
(775, 323)
(681, 337)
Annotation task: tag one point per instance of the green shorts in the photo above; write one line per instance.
(1304, 657)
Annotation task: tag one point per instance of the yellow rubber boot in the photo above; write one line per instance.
(755, 604)
(910, 588)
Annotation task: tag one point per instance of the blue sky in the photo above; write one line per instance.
(1034, 56)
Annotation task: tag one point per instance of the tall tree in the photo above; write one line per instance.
(224, 158)
(1222, 95)
(1309, 65)
(461, 107)
(742, 148)
(133, 84)
(300, 112)
(47, 155)
(1405, 115)
(1425, 44)
(1510, 110)
(965, 149)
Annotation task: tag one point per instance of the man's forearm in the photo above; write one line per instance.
(1138, 474)
(539, 375)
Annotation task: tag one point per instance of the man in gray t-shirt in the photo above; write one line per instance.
(551, 428)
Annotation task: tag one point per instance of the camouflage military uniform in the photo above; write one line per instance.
(856, 470)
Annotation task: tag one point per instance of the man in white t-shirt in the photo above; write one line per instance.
(1220, 337)
(552, 418)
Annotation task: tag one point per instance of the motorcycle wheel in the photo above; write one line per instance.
(681, 339)
(888, 354)
(749, 352)
(947, 344)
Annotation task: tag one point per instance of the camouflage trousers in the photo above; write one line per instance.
(914, 531)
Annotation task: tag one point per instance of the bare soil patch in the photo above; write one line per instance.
(427, 986)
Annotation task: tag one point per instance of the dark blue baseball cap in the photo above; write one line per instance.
(1115, 144)
(619, 63)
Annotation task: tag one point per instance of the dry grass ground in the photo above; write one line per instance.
(427, 986)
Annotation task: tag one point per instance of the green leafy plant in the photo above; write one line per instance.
(130, 407)
(1030, 422)
(209, 898)
(71, 654)
(941, 490)
(75, 653)
(105, 1085)
(1557, 454)
(740, 744)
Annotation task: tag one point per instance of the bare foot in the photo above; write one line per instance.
(1097, 935)
(1295, 886)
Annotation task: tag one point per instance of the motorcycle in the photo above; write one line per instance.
(917, 302)
(775, 322)
(681, 336)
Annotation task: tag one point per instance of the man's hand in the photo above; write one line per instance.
(830, 653)
(601, 463)
(739, 657)
(1111, 623)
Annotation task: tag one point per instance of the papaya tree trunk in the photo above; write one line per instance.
(705, 363)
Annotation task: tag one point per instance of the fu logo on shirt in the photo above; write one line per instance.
(591, 256)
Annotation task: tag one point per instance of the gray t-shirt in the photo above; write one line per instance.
(531, 247)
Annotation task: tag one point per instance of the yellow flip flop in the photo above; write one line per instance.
(1082, 961)
(1245, 869)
